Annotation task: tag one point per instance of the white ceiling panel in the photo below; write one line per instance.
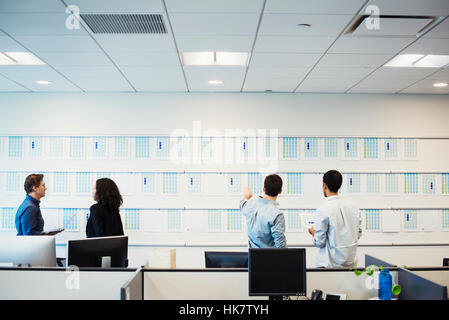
(214, 6)
(118, 6)
(401, 73)
(393, 27)
(284, 59)
(37, 24)
(353, 60)
(440, 31)
(287, 24)
(28, 75)
(426, 87)
(30, 6)
(97, 78)
(156, 78)
(313, 6)
(442, 75)
(273, 84)
(339, 73)
(10, 86)
(428, 46)
(326, 85)
(381, 85)
(59, 43)
(373, 45)
(215, 43)
(214, 24)
(411, 7)
(58, 59)
(293, 44)
(136, 42)
(198, 77)
(8, 44)
(281, 72)
(161, 59)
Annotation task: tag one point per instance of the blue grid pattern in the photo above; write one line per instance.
(70, 219)
(410, 148)
(206, 148)
(445, 215)
(372, 183)
(214, 220)
(142, 147)
(354, 183)
(83, 182)
(76, 147)
(255, 183)
(391, 183)
(233, 220)
(428, 183)
(390, 148)
(234, 183)
(15, 147)
(268, 146)
(410, 219)
(35, 147)
(410, 183)
(121, 147)
(350, 148)
(290, 148)
(8, 219)
(148, 182)
(101, 175)
(311, 147)
(170, 183)
(445, 183)
(372, 219)
(370, 148)
(174, 221)
(60, 182)
(56, 147)
(13, 183)
(193, 182)
(330, 147)
(294, 220)
(294, 183)
(244, 148)
(99, 147)
(132, 219)
(163, 147)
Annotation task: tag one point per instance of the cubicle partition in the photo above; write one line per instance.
(133, 288)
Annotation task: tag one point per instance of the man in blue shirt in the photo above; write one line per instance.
(29, 219)
(265, 223)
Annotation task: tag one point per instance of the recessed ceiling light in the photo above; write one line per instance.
(214, 58)
(43, 82)
(19, 58)
(419, 61)
(215, 82)
(440, 84)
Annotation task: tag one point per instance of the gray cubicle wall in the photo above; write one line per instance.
(133, 288)
(370, 260)
(415, 287)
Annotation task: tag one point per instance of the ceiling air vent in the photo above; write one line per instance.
(125, 23)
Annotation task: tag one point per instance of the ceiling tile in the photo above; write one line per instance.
(214, 24)
(428, 46)
(29, 6)
(372, 45)
(353, 60)
(440, 31)
(402, 27)
(58, 59)
(161, 59)
(9, 86)
(293, 44)
(411, 7)
(314, 7)
(442, 75)
(61, 43)
(287, 24)
(208, 6)
(136, 42)
(198, 77)
(118, 6)
(8, 44)
(215, 43)
(401, 73)
(284, 59)
(381, 85)
(273, 84)
(426, 87)
(280, 72)
(156, 79)
(326, 85)
(339, 73)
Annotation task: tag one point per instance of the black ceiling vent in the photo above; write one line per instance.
(125, 23)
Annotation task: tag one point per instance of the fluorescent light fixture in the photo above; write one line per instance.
(21, 58)
(210, 58)
(43, 82)
(5, 60)
(440, 84)
(215, 82)
(418, 61)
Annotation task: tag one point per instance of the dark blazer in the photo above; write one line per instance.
(102, 223)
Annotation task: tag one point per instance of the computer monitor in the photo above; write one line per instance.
(445, 262)
(35, 251)
(277, 272)
(98, 252)
(224, 259)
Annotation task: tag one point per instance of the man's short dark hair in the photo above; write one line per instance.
(273, 185)
(333, 180)
(33, 180)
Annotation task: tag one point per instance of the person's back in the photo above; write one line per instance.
(103, 223)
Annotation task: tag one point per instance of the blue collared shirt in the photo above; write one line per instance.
(29, 219)
(265, 223)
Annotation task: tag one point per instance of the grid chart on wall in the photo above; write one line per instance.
(428, 184)
(445, 183)
(353, 183)
(410, 183)
(391, 149)
(294, 183)
(174, 220)
(193, 183)
(290, 148)
(8, 219)
(255, 182)
(35, 147)
(15, 147)
(214, 220)
(410, 220)
(372, 220)
(234, 220)
(391, 183)
(330, 148)
(70, 219)
(370, 148)
(445, 215)
(148, 182)
(142, 147)
(162, 147)
(77, 147)
(293, 222)
(311, 148)
(99, 147)
(170, 183)
(234, 183)
(131, 219)
(350, 148)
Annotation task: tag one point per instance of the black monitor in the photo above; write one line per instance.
(277, 272)
(98, 252)
(445, 262)
(222, 259)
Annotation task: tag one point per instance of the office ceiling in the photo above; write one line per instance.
(284, 57)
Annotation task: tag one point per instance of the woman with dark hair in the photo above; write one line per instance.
(104, 218)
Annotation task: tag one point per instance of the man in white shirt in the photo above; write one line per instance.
(337, 226)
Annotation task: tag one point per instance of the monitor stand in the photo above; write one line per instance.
(275, 297)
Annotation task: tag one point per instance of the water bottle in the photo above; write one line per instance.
(385, 284)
